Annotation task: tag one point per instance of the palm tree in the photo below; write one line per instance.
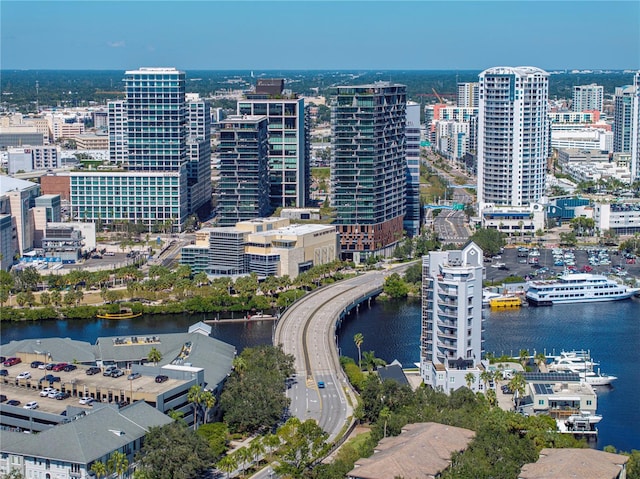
(243, 456)
(194, 396)
(371, 362)
(540, 359)
(491, 397)
(486, 377)
(118, 463)
(99, 469)
(208, 400)
(154, 356)
(240, 365)
(385, 414)
(524, 357)
(271, 442)
(518, 384)
(256, 448)
(358, 339)
(469, 378)
(228, 464)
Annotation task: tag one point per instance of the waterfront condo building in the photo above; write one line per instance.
(289, 145)
(588, 97)
(243, 189)
(199, 154)
(412, 216)
(513, 135)
(635, 136)
(623, 118)
(451, 333)
(117, 128)
(368, 167)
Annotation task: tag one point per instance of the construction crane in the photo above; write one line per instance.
(437, 96)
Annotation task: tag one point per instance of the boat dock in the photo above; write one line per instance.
(245, 319)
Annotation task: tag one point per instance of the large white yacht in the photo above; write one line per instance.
(577, 288)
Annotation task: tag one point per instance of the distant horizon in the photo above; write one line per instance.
(257, 71)
(348, 35)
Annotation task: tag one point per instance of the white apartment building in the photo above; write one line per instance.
(411, 222)
(635, 135)
(452, 138)
(468, 94)
(588, 97)
(623, 218)
(586, 138)
(117, 128)
(451, 337)
(513, 135)
(579, 117)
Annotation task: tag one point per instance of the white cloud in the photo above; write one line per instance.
(118, 44)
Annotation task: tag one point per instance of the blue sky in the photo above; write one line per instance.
(219, 35)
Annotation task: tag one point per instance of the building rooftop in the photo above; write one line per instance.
(88, 438)
(525, 70)
(571, 463)
(8, 183)
(421, 450)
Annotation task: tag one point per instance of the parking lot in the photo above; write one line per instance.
(77, 383)
(515, 267)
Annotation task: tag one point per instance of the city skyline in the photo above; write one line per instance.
(222, 35)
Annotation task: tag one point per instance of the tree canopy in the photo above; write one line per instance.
(489, 240)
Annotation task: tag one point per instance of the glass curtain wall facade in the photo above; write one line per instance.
(623, 118)
(288, 148)
(244, 169)
(412, 216)
(199, 147)
(368, 166)
(513, 135)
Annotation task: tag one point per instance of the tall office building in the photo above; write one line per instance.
(152, 188)
(243, 189)
(451, 333)
(513, 135)
(199, 152)
(588, 97)
(468, 95)
(412, 216)
(289, 147)
(635, 137)
(117, 128)
(623, 118)
(368, 167)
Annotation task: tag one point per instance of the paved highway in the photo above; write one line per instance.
(307, 331)
(450, 227)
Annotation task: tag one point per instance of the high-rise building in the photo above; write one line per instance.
(412, 215)
(151, 186)
(199, 149)
(368, 167)
(623, 118)
(289, 147)
(117, 128)
(243, 189)
(468, 95)
(513, 135)
(451, 333)
(156, 119)
(588, 97)
(635, 137)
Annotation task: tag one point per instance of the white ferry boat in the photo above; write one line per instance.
(577, 288)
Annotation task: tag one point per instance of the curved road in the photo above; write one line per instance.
(307, 331)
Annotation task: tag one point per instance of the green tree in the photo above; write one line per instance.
(518, 385)
(243, 456)
(271, 442)
(154, 356)
(256, 449)
(45, 298)
(228, 464)
(489, 240)
(302, 444)
(56, 299)
(568, 239)
(358, 339)
(99, 469)
(174, 451)
(414, 274)
(469, 378)
(118, 463)
(216, 436)
(395, 287)
(486, 377)
(370, 361)
(385, 414)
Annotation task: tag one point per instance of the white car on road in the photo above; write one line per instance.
(24, 375)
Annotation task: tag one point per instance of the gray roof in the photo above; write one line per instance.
(58, 349)
(87, 438)
(213, 355)
(8, 183)
(393, 372)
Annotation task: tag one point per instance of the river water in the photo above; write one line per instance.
(611, 331)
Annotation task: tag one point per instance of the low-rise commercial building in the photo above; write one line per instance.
(91, 141)
(265, 246)
(514, 221)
